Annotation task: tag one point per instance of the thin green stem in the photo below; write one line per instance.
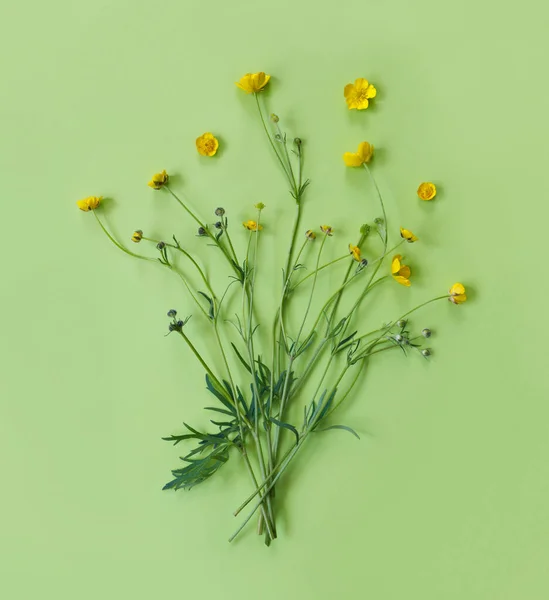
(326, 265)
(118, 244)
(269, 137)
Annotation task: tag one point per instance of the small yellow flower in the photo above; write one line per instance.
(401, 273)
(457, 293)
(207, 144)
(408, 235)
(358, 94)
(327, 229)
(252, 83)
(137, 236)
(252, 226)
(355, 251)
(310, 235)
(89, 203)
(427, 191)
(158, 180)
(362, 155)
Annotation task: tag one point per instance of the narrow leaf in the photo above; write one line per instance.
(288, 427)
(241, 358)
(352, 431)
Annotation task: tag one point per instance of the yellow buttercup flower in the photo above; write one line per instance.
(327, 229)
(427, 190)
(457, 293)
(207, 144)
(355, 251)
(89, 203)
(408, 235)
(137, 236)
(252, 226)
(310, 235)
(401, 273)
(358, 94)
(158, 180)
(252, 83)
(362, 155)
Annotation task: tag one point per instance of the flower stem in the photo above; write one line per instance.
(118, 244)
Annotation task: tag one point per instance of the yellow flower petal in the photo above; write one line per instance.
(402, 280)
(408, 235)
(457, 293)
(327, 229)
(83, 205)
(158, 180)
(457, 288)
(405, 271)
(357, 94)
(89, 203)
(348, 89)
(395, 264)
(427, 190)
(252, 226)
(253, 82)
(355, 251)
(365, 151)
(207, 144)
(352, 159)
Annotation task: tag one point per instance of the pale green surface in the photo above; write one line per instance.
(446, 496)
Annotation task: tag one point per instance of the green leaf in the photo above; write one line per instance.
(337, 328)
(305, 344)
(352, 431)
(206, 437)
(198, 469)
(241, 358)
(219, 410)
(348, 338)
(288, 427)
(211, 303)
(327, 405)
(220, 395)
(178, 438)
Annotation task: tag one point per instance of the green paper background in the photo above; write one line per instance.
(446, 495)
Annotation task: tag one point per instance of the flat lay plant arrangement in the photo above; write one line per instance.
(256, 386)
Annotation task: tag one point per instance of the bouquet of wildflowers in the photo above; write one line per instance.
(268, 394)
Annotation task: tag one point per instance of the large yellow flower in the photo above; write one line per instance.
(252, 226)
(355, 251)
(408, 235)
(457, 293)
(252, 83)
(427, 190)
(158, 180)
(207, 144)
(359, 93)
(362, 155)
(89, 203)
(401, 273)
